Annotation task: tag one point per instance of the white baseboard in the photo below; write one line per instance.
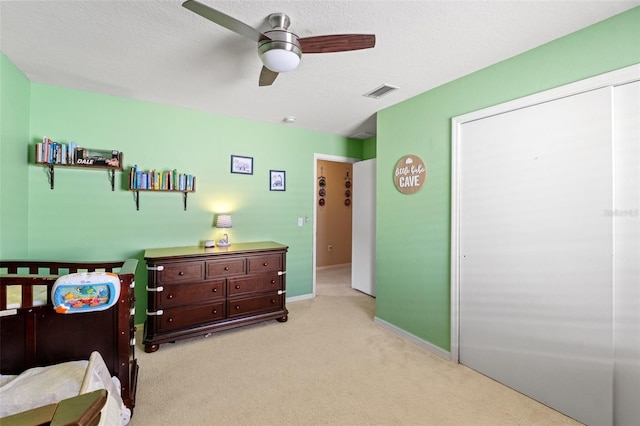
(299, 298)
(415, 339)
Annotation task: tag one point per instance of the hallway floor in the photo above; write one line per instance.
(335, 281)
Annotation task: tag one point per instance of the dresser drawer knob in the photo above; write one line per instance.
(214, 312)
(238, 287)
(169, 319)
(226, 268)
(181, 273)
(215, 289)
(265, 264)
(170, 296)
(237, 307)
(273, 281)
(273, 300)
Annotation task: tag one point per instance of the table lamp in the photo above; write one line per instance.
(223, 222)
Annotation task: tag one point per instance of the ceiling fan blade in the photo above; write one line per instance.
(224, 20)
(337, 43)
(267, 77)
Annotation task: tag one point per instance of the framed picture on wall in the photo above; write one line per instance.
(277, 180)
(242, 165)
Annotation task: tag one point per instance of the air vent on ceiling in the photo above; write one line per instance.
(380, 91)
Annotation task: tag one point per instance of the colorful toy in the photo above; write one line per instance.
(85, 292)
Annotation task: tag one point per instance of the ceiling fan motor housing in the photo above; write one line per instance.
(281, 52)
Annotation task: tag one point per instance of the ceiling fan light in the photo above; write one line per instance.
(280, 60)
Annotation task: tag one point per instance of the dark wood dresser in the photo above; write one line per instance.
(194, 291)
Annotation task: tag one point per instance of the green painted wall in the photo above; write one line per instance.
(413, 232)
(82, 219)
(369, 148)
(14, 131)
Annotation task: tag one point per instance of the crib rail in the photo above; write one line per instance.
(44, 267)
(25, 287)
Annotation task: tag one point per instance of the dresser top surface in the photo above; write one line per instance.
(196, 251)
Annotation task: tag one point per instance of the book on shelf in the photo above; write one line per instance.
(154, 180)
(53, 152)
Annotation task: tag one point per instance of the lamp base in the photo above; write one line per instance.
(222, 243)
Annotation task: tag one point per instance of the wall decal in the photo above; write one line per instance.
(410, 174)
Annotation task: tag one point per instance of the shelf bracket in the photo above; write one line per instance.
(185, 201)
(112, 178)
(136, 196)
(51, 175)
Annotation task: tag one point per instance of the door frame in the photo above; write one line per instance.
(613, 78)
(325, 157)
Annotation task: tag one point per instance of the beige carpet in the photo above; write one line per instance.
(335, 281)
(330, 364)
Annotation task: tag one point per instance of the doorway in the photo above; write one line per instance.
(332, 237)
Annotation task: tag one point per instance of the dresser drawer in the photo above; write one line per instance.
(186, 317)
(181, 272)
(226, 267)
(264, 263)
(255, 305)
(254, 284)
(190, 293)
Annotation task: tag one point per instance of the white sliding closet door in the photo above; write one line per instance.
(535, 258)
(626, 216)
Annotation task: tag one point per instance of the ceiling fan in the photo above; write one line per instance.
(280, 50)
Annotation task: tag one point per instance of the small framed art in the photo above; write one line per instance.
(277, 180)
(242, 165)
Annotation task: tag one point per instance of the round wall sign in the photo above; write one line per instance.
(409, 174)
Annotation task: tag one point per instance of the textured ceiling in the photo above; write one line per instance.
(159, 51)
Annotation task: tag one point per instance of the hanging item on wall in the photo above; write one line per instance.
(409, 175)
(347, 193)
(322, 182)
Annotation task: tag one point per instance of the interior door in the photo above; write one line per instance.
(363, 240)
(536, 252)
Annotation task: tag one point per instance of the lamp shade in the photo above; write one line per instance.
(280, 52)
(223, 221)
(280, 60)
